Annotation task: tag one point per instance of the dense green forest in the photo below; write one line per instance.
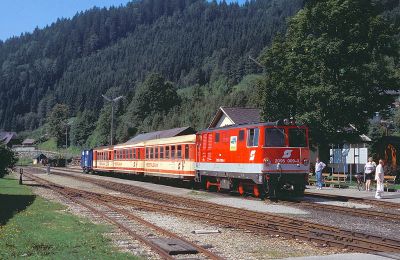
(188, 42)
(176, 61)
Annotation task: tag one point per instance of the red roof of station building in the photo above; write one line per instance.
(238, 115)
(161, 134)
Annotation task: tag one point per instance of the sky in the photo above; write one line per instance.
(20, 16)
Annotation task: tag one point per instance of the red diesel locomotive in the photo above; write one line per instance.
(264, 158)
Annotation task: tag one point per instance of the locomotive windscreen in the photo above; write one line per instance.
(275, 137)
(297, 137)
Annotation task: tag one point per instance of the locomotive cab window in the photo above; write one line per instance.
(252, 137)
(297, 137)
(274, 137)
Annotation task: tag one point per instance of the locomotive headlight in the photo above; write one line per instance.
(267, 161)
(306, 162)
(279, 166)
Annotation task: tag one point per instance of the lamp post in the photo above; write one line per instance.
(66, 133)
(113, 101)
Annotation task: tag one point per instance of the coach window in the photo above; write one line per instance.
(162, 152)
(167, 152)
(186, 151)
(252, 137)
(115, 154)
(147, 153)
(241, 135)
(173, 152)
(156, 153)
(152, 153)
(138, 153)
(216, 137)
(274, 137)
(179, 152)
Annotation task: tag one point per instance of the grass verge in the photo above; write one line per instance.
(38, 229)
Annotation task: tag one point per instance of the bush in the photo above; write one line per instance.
(7, 160)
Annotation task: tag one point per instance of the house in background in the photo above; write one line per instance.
(235, 116)
(8, 138)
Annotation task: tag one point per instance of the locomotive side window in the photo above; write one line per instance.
(297, 137)
(186, 151)
(252, 137)
(162, 152)
(216, 137)
(241, 135)
(274, 137)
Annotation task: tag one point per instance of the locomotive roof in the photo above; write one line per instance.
(276, 123)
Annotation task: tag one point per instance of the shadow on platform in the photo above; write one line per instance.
(12, 204)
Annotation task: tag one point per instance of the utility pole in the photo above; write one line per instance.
(113, 101)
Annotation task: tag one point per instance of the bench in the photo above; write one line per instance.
(389, 182)
(335, 180)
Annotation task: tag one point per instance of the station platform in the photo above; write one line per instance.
(354, 192)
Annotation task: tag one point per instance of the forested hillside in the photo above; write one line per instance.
(201, 47)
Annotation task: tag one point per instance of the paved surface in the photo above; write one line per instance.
(387, 196)
(354, 256)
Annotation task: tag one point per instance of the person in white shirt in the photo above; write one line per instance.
(319, 166)
(379, 176)
(369, 168)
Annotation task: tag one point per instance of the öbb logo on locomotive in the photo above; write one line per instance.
(287, 154)
(237, 158)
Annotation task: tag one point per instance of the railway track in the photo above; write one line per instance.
(263, 223)
(120, 217)
(359, 212)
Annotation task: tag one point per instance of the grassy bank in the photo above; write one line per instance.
(38, 229)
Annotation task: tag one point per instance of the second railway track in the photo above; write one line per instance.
(257, 222)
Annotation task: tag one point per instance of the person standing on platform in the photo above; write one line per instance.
(369, 168)
(319, 166)
(379, 176)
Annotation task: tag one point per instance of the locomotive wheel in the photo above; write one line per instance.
(256, 191)
(208, 185)
(240, 189)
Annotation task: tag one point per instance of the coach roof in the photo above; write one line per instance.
(161, 134)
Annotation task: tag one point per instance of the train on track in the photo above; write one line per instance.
(264, 158)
